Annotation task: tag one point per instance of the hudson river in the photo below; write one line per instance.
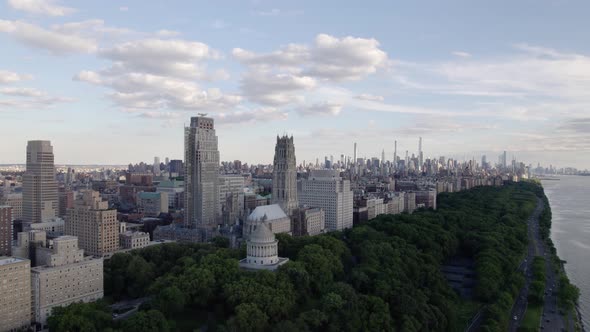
(570, 230)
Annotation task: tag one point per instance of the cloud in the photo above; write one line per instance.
(123, 8)
(329, 58)
(219, 24)
(270, 12)
(137, 91)
(253, 116)
(462, 54)
(42, 7)
(53, 41)
(11, 77)
(348, 58)
(93, 29)
(275, 89)
(177, 58)
(29, 98)
(167, 33)
(325, 108)
(369, 97)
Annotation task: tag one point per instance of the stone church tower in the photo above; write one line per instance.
(284, 176)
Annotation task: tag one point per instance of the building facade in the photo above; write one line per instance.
(94, 224)
(231, 198)
(201, 156)
(272, 215)
(15, 293)
(65, 276)
(327, 190)
(151, 204)
(134, 240)
(308, 221)
(262, 250)
(5, 230)
(40, 201)
(284, 175)
(15, 201)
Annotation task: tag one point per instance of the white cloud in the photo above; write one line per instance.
(52, 41)
(28, 98)
(270, 12)
(347, 58)
(462, 54)
(326, 108)
(275, 89)
(123, 8)
(167, 33)
(93, 28)
(370, 97)
(253, 116)
(42, 7)
(177, 58)
(11, 77)
(293, 55)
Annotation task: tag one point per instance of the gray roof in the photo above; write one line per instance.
(267, 213)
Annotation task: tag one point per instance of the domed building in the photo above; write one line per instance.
(262, 250)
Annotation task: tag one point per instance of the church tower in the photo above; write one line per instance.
(284, 175)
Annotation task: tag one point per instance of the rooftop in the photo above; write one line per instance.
(5, 260)
(267, 212)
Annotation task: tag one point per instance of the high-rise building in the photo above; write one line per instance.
(94, 224)
(151, 204)
(231, 197)
(176, 167)
(64, 276)
(5, 230)
(327, 190)
(15, 294)
(201, 157)
(66, 200)
(284, 175)
(15, 201)
(40, 201)
(420, 155)
(156, 166)
(354, 157)
(395, 155)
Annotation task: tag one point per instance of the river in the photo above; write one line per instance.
(570, 231)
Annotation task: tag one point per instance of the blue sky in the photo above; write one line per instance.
(114, 82)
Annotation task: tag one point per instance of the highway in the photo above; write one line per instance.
(551, 320)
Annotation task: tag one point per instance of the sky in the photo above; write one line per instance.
(115, 82)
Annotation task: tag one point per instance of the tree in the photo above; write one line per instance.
(170, 300)
(248, 318)
(146, 321)
(82, 317)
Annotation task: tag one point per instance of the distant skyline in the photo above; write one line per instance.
(115, 82)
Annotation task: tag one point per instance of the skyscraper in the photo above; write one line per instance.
(40, 201)
(395, 155)
(201, 157)
(5, 230)
(354, 158)
(420, 154)
(284, 175)
(156, 166)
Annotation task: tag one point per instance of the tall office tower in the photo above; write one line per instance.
(407, 158)
(327, 190)
(201, 158)
(504, 161)
(231, 197)
(284, 175)
(156, 166)
(64, 276)
(94, 224)
(395, 155)
(5, 230)
(483, 161)
(40, 201)
(420, 154)
(354, 158)
(15, 294)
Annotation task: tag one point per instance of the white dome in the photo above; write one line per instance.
(262, 234)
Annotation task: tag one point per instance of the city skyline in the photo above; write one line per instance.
(126, 77)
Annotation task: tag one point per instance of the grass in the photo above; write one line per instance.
(532, 317)
(465, 311)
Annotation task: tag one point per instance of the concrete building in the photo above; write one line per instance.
(308, 221)
(15, 293)
(231, 198)
(64, 276)
(134, 240)
(426, 198)
(16, 202)
(94, 224)
(26, 244)
(175, 191)
(151, 204)
(53, 227)
(409, 202)
(201, 157)
(40, 201)
(66, 201)
(327, 190)
(284, 175)
(5, 230)
(262, 250)
(272, 215)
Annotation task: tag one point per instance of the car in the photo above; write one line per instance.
(115, 315)
(515, 317)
